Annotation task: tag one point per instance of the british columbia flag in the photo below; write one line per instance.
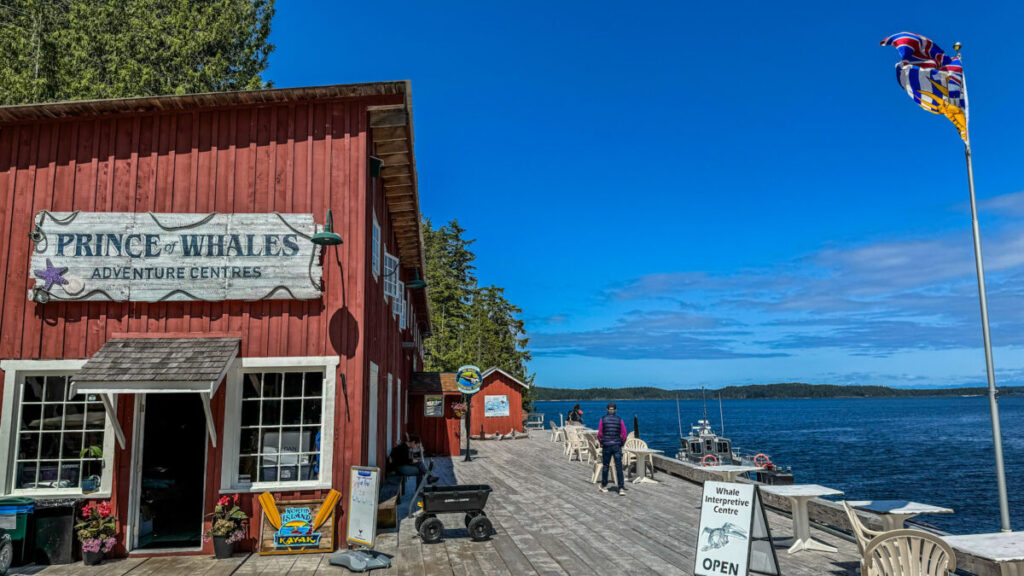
(934, 80)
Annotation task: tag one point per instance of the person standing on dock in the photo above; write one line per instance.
(611, 433)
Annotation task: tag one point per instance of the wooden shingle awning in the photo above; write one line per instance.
(433, 383)
(157, 365)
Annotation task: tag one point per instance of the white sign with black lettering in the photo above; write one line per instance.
(147, 257)
(362, 505)
(734, 538)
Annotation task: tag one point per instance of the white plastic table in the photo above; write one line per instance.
(643, 456)
(894, 513)
(1006, 549)
(730, 472)
(799, 495)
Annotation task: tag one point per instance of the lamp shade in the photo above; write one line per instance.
(327, 236)
(416, 283)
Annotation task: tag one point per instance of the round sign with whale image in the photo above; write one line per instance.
(468, 379)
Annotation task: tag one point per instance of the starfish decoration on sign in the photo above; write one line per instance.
(51, 275)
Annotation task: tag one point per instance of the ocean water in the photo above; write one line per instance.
(932, 450)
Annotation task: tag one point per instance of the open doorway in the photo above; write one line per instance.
(171, 478)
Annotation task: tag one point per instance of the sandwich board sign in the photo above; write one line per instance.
(734, 537)
(362, 505)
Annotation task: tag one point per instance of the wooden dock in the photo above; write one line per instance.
(548, 518)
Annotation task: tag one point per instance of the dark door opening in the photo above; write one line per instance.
(173, 472)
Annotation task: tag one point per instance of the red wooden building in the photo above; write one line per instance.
(497, 408)
(169, 331)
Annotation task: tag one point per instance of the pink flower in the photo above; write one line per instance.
(86, 511)
(104, 509)
(235, 498)
(224, 500)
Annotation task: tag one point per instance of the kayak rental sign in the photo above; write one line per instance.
(147, 257)
(734, 537)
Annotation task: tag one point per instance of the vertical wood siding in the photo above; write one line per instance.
(496, 384)
(296, 157)
(440, 436)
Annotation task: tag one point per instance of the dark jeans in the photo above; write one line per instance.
(607, 453)
(418, 469)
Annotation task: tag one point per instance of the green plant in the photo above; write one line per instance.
(227, 519)
(97, 528)
(92, 452)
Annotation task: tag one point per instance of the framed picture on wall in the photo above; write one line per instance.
(495, 406)
(433, 406)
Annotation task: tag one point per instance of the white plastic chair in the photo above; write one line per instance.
(557, 433)
(595, 449)
(860, 532)
(629, 459)
(908, 553)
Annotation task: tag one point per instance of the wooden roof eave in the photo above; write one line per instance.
(393, 137)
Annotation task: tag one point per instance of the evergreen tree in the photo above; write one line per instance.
(450, 271)
(471, 325)
(85, 49)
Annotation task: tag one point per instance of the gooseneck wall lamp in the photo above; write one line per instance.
(416, 283)
(327, 236)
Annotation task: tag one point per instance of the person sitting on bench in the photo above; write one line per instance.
(406, 460)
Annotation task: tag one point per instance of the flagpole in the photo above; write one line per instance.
(993, 393)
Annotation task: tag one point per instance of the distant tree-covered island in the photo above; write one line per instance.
(759, 391)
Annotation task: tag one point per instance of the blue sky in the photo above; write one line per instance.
(684, 194)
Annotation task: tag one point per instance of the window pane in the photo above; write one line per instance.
(250, 413)
(72, 446)
(48, 475)
(74, 416)
(247, 469)
(271, 412)
(50, 445)
(272, 385)
(314, 384)
(28, 446)
(270, 441)
(92, 474)
(268, 469)
(306, 472)
(290, 438)
(93, 439)
(289, 471)
(69, 473)
(30, 416)
(292, 412)
(55, 388)
(249, 442)
(309, 439)
(311, 411)
(293, 384)
(26, 475)
(95, 417)
(33, 390)
(53, 416)
(251, 386)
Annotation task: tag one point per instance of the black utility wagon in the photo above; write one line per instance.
(470, 499)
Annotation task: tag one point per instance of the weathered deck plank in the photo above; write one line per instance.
(548, 519)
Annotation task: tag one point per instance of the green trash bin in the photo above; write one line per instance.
(15, 516)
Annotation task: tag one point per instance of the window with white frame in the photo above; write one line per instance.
(375, 258)
(53, 443)
(279, 412)
(390, 276)
(399, 301)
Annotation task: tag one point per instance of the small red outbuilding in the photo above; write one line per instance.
(497, 408)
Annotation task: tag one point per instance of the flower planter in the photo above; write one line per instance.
(92, 558)
(222, 548)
